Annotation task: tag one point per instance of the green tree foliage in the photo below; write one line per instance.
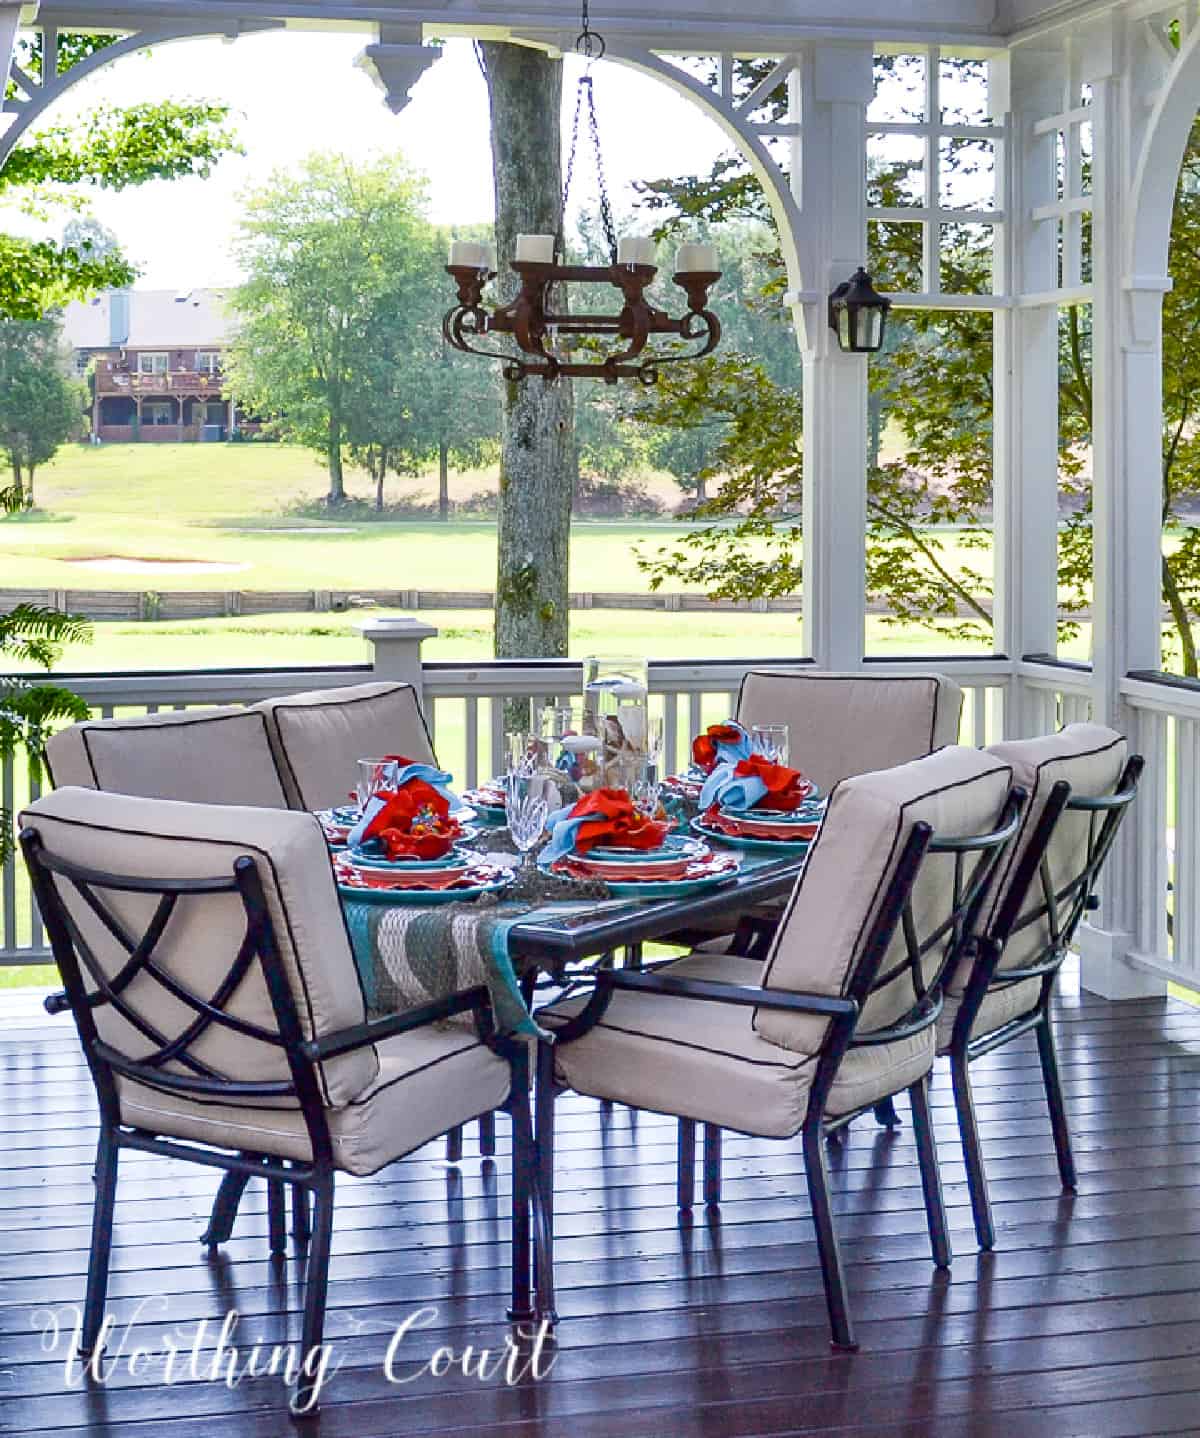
(31, 634)
(39, 404)
(336, 325)
(108, 149)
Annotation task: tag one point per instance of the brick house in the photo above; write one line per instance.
(158, 364)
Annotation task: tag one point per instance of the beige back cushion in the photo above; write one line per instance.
(844, 724)
(318, 736)
(149, 838)
(1090, 757)
(959, 792)
(202, 756)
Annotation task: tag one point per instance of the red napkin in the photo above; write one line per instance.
(610, 818)
(786, 788)
(414, 822)
(704, 746)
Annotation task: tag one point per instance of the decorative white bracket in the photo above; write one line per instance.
(395, 64)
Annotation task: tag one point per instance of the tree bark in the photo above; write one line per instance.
(337, 487)
(538, 461)
(443, 480)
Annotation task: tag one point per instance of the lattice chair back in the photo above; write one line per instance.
(891, 891)
(200, 947)
(845, 724)
(316, 737)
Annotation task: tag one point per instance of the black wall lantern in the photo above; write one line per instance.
(858, 315)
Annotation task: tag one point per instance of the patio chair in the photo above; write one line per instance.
(317, 736)
(199, 756)
(845, 724)
(843, 1013)
(1080, 785)
(838, 725)
(210, 976)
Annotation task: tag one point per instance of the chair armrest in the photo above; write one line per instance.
(345, 1041)
(824, 1005)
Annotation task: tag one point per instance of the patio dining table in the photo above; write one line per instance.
(549, 940)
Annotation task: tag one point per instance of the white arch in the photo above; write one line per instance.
(1152, 202)
(735, 124)
(45, 94)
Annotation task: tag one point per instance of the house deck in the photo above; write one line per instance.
(1084, 1321)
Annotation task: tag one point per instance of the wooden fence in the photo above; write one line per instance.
(131, 605)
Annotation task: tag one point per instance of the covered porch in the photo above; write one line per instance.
(1081, 1319)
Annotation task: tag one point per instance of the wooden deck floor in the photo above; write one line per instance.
(1086, 1320)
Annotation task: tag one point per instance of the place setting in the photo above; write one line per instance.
(744, 791)
(408, 838)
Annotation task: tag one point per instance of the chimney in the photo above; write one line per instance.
(118, 317)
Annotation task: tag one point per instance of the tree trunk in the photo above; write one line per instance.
(538, 462)
(443, 480)
(337, 487)
(28, 486)
(379, 488)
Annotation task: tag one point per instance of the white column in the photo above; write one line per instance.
(1025, 380)
(829, 180)
(1127, 462)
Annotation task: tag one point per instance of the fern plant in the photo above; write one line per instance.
(33, 634)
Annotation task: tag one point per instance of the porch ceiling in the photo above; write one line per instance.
(754, 25)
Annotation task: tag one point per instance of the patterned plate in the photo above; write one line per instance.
(703, 874)
(413, 895)
(745, 841)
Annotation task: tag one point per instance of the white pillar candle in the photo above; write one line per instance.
(466, 254)
(696, 259)
(636, 250)
(537, 249)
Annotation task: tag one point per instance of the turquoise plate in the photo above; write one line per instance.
(423, 896)
(655, 889)
(737, 841)
(371, 857)
(675, 847)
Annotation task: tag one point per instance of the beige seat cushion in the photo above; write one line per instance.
(201, 756)
(844, 724)
(960, 792)
(159, 839)
(1090, 757)
(429, 1081)
(318, 736)
(704, 1060)
(1001, 1006)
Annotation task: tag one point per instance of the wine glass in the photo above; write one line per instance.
(526, 808)
(373, 774)
(646, 788)
(771, 741)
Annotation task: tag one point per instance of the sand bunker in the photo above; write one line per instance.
(116, 564)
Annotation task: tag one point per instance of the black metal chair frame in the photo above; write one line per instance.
(986, 977)
(842, 1011)
(173, 1068)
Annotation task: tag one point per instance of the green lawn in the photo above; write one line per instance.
(229, 505)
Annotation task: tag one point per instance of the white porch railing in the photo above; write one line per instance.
(465, 704)
(465, 707)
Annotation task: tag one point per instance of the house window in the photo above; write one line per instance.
(158, 411)
(208, 361)
(152, 362)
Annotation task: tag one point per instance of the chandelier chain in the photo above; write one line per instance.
(585, 94)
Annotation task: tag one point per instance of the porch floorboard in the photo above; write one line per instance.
(1084, 1320)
